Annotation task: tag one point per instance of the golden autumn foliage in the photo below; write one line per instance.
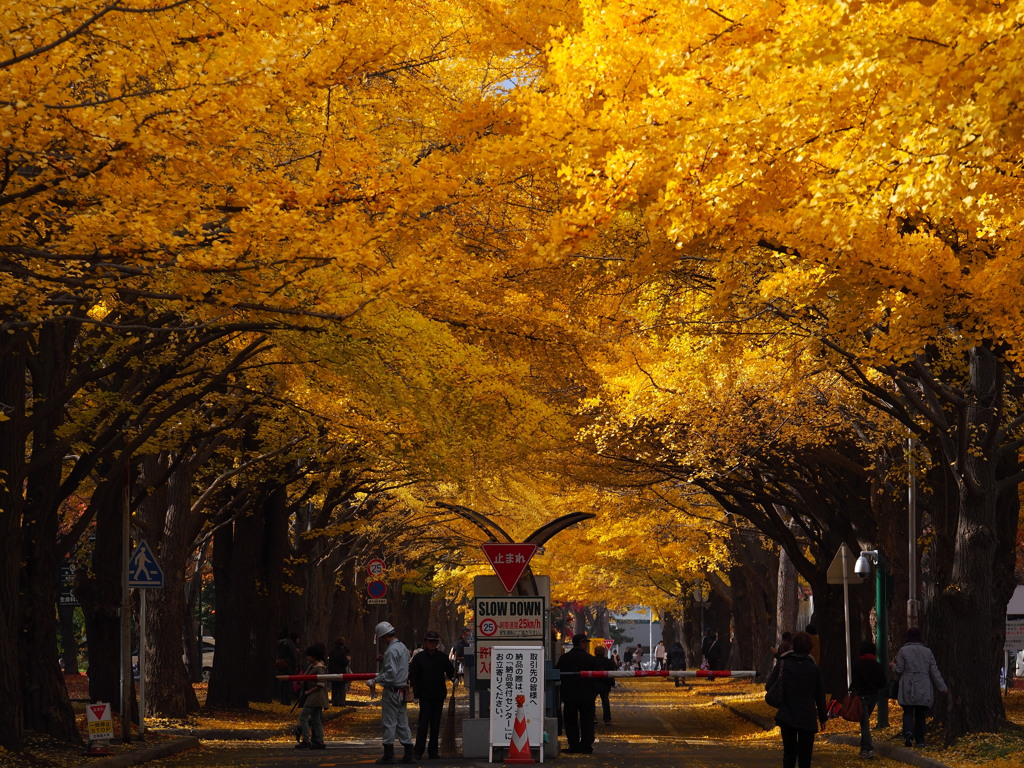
(873, 145)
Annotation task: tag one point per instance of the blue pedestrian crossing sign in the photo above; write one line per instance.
(143, 570)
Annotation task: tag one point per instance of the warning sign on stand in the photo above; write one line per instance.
(98, 721)
(518, 671)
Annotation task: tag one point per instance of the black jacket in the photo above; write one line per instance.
(711, 650)
(677, 657)
(428, 672)
(574, 687)
(867, 676)
(604, 683)
(337, 660)
(803, 692)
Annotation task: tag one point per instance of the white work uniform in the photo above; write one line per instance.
(393, 676)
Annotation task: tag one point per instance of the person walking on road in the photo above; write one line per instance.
(313, 699)
(577, 694)
(677, 661)
(287, 663)
(604, 685)
(393, 679)
(638, 657)
(919, 678)
(660, 654)
(710, 649)
(337, 664)
(429, 672)
(803, 702)
(867, 679)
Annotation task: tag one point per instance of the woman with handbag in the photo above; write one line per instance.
(868, 678)
(919, 677)
(801, 702)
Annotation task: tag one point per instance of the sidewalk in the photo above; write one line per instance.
(881, 748)
(655, 726)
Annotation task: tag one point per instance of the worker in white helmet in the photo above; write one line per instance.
(393, 679)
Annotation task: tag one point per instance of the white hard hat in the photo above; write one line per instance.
(383, 630)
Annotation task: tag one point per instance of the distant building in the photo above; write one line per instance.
(635, 626)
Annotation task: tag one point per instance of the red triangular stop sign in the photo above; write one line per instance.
(508, 561)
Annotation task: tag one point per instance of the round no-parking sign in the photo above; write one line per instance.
(488, 627)
(376, 589)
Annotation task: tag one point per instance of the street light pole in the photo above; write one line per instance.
(912, 615)
(881, 622)
(882, 633)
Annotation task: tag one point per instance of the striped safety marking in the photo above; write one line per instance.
(664, 673)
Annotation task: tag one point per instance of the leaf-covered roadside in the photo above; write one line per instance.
(993, 750)
(1003, 750)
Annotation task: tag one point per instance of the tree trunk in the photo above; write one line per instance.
(99, 590)
(234, 570)
(164, 518)
(787, 600)
(247, 557)
(754, 595)
(12, 459)
(47, 708)
(964, 615)
(274, 552)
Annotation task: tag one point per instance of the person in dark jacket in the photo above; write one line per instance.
(337, 664)
(803, 702)
(287, 663)
(577, 695)
(604, 685)
(429, 672)
(868, 678)
(677, 661)
(711, 649)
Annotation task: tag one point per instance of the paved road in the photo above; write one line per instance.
(646, 734)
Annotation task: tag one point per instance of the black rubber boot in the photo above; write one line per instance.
(407, 757)
(388, 758)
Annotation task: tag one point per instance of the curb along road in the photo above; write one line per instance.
(143, 753)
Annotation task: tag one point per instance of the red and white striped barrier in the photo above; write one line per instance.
(664, 673)
(585, 673)
(339, 676)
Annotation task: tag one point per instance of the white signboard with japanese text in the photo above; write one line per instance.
(506, 619)
(1014, 633)
(517, 671)
(502, 620)
(509, 617)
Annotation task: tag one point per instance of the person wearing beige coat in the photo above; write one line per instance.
(919, 679)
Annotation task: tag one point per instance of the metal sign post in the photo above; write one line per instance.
(841, 571)
(144, 573)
